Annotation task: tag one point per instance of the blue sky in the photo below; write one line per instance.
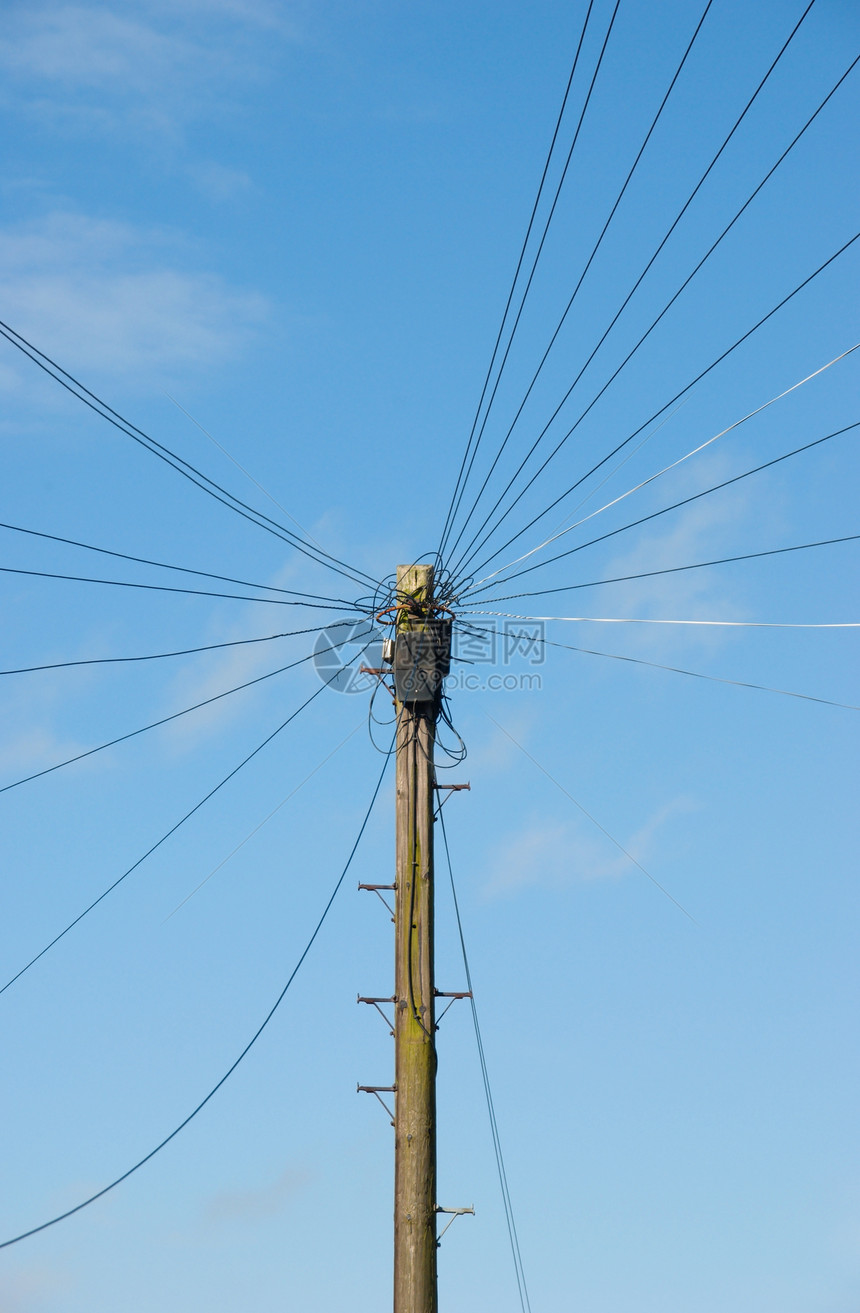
(280, 237)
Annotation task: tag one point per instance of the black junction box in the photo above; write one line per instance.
(422, 659)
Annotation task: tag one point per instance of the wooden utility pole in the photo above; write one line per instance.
(414, 1011)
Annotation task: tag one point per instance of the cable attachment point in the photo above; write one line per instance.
(375, 888)
(377, 1090)
(380, 672)
(455, 1213)
(375, 1002)
(448, 789)
(453, 996)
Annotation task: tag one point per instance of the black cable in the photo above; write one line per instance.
(175, 716)
(170, 458)
(456, 756)
(657, 413)
(695, 674)
(161, 656)
(674, 569)
(164, 453)
(163, 565)
(672, 228)
(474, 546)
(488, 1094)
(458, 490)
(61, 1217)
(454, 503)
(685, 501)
(374, 720)
(413, 856)
(166, 836)
(451, 507)
(585, 269)
(166, 588)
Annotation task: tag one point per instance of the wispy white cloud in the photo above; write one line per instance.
(259, 1202)
(204, 679)
(153, 64)
(268, 15)
(551, 853)
(220, 183)
(702, 531)
(111, 298)
(209, 674)
(90, 46)
(491, 751)
(540, 854)
(32, 750)
(28, 1289)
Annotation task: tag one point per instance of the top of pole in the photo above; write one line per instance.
(415, 583)
(422, 650)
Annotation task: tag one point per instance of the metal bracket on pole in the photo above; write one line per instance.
(448, 789)
(380, 672)
(377, 1090)
(453, 995)
(376, 1002)
(455, 1213)
(375, 888)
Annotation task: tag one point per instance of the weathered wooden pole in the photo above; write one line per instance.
(414, 1025)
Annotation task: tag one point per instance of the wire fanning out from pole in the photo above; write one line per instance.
(165, 720)
(70, 1212)
(177, 463)
(229, 776)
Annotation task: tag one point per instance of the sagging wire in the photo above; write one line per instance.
(676, 569)
(375, 720)
(684, 501)
(176, 462)
(168, 834)
(456, 756)
(649, 620)
(165, 565)
(590, 259)
(644, 483)
(163, 656)
(692, 196)
(675, 670)
(470, 454)
(455, 499)
(475, 546)
(61, 1217)
(168, 588)
(164, 720)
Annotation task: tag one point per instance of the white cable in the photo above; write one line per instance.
(639, 620)
(665, 470)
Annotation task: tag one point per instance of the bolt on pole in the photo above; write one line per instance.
(415, 1244)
